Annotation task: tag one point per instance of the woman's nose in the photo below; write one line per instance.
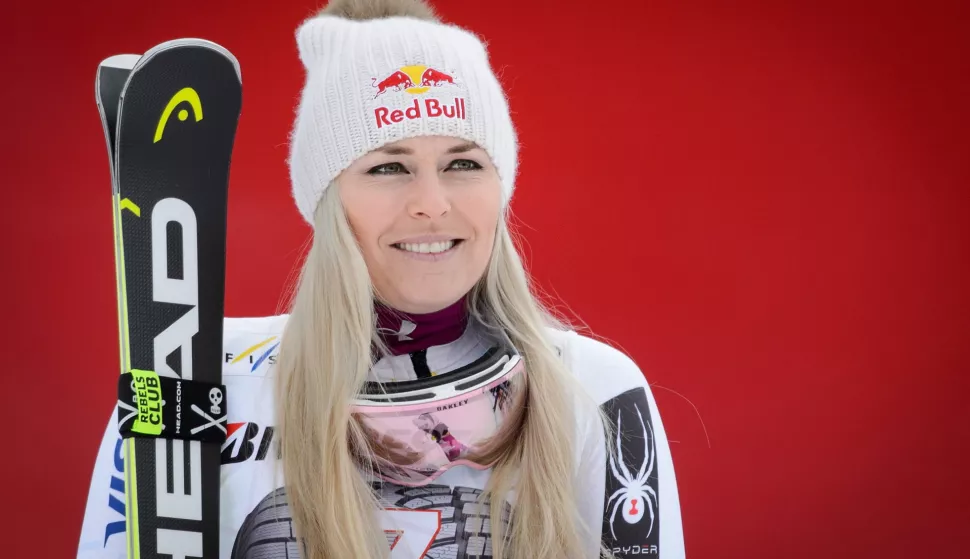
(429, 197)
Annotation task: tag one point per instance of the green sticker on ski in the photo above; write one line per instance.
(148, 397)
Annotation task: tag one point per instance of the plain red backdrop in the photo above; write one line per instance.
(765, 205)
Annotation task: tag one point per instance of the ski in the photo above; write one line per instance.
(169, 119)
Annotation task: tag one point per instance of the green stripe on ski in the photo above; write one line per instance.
(134, 542)
(114, 230)
(124, 353)
(123, 295)
(131, 480)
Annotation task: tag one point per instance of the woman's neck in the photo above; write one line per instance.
(408, 332)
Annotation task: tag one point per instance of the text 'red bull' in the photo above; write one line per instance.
(433, 108)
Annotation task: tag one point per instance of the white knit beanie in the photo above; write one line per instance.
(377, 81)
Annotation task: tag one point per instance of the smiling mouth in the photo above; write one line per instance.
(428, 248)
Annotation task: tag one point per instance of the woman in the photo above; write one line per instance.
(420, 390)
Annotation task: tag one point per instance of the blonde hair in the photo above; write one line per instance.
(325, 356)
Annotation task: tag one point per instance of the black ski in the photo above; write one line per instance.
(170, 120)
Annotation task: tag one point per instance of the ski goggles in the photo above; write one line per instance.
(418, 429)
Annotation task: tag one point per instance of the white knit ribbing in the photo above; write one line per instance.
(336, 121)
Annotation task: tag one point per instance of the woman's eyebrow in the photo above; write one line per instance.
(462, 148)
(395, 150)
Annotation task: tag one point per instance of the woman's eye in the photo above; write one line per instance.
(386, 169)
(465, 165)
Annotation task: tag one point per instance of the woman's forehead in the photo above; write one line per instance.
(425, 144)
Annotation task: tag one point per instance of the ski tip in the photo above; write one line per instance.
(121, 61)
(196, 42)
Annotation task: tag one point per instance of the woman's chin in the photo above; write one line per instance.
(425, 300)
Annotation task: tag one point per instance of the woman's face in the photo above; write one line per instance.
(424, 211)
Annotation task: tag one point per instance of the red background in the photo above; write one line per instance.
(765, 206)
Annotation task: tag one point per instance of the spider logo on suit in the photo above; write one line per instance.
(635, 498)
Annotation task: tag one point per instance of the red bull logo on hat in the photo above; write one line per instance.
(417, 80)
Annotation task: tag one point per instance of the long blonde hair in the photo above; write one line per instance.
(325, 356)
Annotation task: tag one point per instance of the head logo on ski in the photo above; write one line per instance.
(186, 95)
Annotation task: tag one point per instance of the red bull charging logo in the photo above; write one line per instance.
(417, 80)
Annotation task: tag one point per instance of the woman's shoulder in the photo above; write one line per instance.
(251, 344)
(602, 369)
(250, 350)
